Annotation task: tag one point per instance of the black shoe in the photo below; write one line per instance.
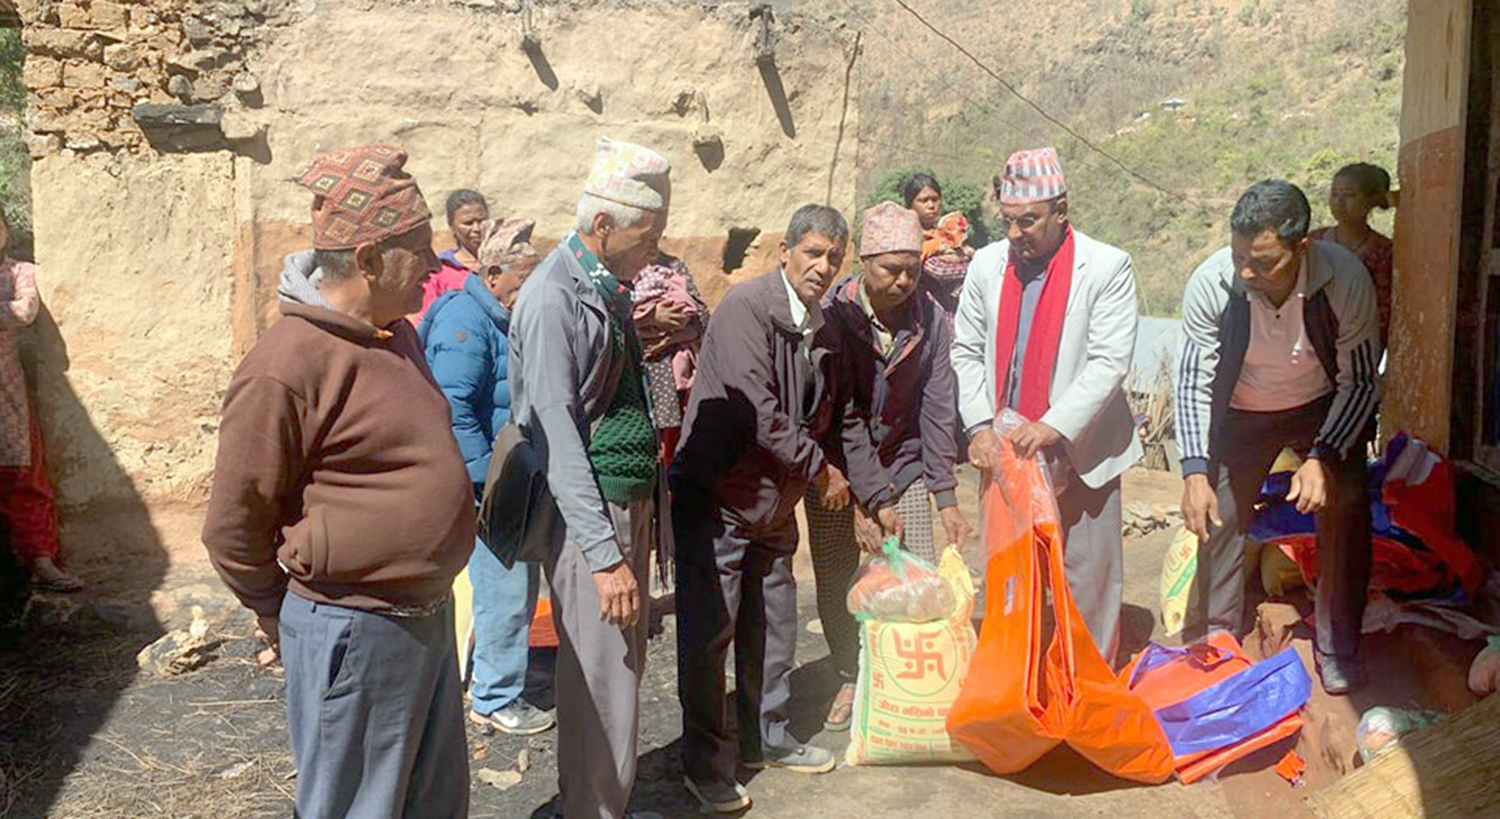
(718, 796)
(1340, 675)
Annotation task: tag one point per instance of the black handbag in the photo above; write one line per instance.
(518, 518)
(517, 515)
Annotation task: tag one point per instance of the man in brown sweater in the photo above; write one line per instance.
(341, 509)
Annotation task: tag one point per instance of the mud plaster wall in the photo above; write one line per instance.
(1430, 165)
(476, 112)
(159, 263)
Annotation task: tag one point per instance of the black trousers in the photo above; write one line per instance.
(1247, 447)
(734, 584)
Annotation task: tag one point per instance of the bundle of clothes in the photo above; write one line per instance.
(1417, 552)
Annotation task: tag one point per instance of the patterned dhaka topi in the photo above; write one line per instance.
(630, 174)
(890, 228)
(1032, 176)
(506, 242)
(362, 195)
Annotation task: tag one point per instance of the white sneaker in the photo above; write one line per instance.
(520, 718)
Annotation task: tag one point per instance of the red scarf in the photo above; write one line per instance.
(1046, 331)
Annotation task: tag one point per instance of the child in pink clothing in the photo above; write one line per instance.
(669, 282)
(670, 342)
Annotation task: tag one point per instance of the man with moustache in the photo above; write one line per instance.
(749, 451)
(1046, 326)
(890, 344)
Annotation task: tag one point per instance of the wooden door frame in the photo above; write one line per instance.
(1478, 261)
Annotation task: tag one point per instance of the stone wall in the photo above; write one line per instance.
(91, 63)
(165, 135)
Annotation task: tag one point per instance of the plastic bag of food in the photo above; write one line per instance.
(1484, 672)
(899, 587)
(1381, 727)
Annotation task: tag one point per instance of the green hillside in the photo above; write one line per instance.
(1268, 89)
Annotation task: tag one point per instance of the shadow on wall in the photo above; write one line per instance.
(771, 76)
(76, 653)
(533, 48)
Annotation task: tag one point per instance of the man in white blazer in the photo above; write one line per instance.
(1046, 325)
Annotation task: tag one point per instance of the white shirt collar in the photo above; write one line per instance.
(808, 318)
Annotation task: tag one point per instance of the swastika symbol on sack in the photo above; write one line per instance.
(918, 661)
(920, 656)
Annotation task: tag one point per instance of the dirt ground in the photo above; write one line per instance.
(84, 733)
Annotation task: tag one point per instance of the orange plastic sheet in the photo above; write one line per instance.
(1022, 698)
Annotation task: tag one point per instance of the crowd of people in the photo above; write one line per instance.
(402, 389)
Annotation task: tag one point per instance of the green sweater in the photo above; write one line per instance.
(623, 448)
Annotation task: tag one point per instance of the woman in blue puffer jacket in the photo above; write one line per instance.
(464, 334)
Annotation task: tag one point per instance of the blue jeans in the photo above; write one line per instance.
(504, 602)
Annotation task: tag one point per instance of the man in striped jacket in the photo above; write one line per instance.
(1282, 348)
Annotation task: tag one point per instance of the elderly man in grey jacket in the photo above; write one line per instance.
(1057, 311)
(579, 397)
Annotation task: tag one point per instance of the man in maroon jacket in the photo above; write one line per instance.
(341, 509)
(748, 452)
(889, 342)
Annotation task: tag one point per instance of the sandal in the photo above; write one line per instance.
(841, 712)
(49, 577)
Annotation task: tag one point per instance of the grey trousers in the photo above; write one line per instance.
(734, 583)
(1094, 557)
(375, 712)
(1249, 444)
(598, 675)
(835, 559)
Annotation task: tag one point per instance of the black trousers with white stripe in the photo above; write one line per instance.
(1247, 447)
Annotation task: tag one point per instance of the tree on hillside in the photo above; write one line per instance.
(15, 161)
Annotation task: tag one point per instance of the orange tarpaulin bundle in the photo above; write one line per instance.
(1215, 704)
(1020, 701)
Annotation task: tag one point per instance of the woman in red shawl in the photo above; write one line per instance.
(1358, 189)
(945, 249)
(26, 500)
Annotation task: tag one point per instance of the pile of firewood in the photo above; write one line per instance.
(1156, 419)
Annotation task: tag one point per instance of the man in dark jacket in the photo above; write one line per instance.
(748, 452)
(889, 344)
(341, 510)
(1282, 346)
